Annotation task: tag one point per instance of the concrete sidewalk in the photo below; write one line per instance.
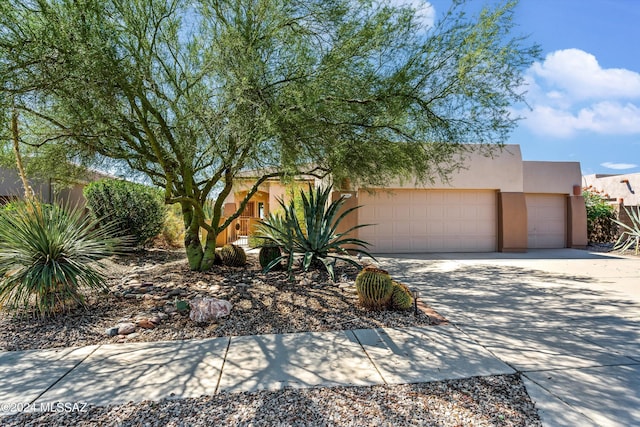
(569, 321)
(111, 374)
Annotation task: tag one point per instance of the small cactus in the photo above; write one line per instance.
(233, 256)
(401, 298)
(267, 255)
(374, 288)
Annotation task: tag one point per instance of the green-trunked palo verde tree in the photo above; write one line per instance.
(192, 92)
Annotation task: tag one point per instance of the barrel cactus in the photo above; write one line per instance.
(217, 260)
(401, 298)
(268, 254)
(374, 288)
(233, 256)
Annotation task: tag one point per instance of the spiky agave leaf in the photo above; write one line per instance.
(48, 255)
(315, 238)
(630, 235)
(321, 242)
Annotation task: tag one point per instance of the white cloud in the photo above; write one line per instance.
(569, 93)
(609, 118)
(618, 166)
(578, 75)
(546, 120)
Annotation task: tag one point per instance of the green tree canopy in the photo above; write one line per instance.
(192, 92)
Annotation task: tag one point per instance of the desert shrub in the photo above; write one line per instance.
(601, 218)
(47, 257)
(173, 227)
(315, 239)
(279, 230)
(137, 209)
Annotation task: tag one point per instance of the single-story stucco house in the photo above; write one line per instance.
(498, 203)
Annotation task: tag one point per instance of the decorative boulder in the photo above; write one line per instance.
(145, 324)
(126, 328)
(112, 331)
(208, 309)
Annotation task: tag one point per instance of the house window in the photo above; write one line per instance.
(261, 210)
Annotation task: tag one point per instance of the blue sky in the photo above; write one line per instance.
(584, 93)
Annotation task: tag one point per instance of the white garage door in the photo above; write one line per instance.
(547, 220)
(429, 221)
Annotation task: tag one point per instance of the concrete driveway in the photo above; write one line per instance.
(568, 320)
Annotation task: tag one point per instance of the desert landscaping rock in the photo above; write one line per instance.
(205, 310)
(263, 304)
(111, 332)
(146, 324)
(126, 328)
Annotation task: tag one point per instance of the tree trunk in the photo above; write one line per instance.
(192, 237)
(209, 252)
(28, 192)
(194, 250)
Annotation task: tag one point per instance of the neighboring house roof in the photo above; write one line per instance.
(616, 187)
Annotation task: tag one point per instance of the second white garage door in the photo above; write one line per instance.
(547, 220)
(429, 221)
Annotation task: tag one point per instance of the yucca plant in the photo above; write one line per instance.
(630, 235)
(47, 257)
(316, 239)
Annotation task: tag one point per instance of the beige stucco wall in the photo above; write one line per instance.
(274, 188)
(73, 195)
(512, 222)
(502, 171)
(577, 222)
(551, 177)
(11, 185)
(615, 187)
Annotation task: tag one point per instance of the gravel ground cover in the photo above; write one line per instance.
(479, 401)
(145, 287)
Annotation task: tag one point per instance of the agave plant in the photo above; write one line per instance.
(316, 239)
(47, 256)
(278, 230)
(630, 236)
